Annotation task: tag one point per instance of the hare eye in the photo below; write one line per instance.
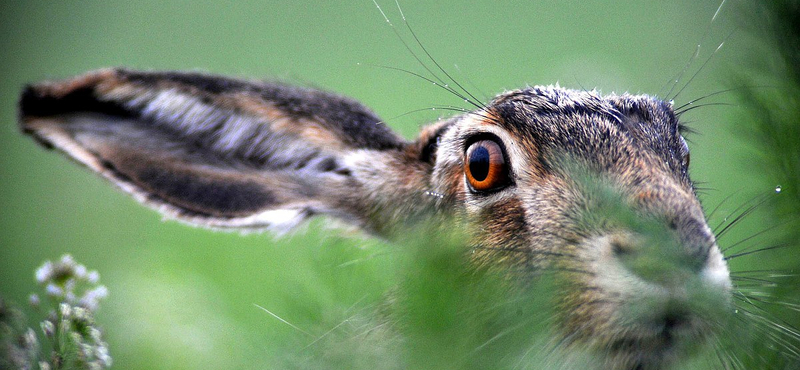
(485, 166)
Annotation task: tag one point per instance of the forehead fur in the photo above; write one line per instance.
(601, 130)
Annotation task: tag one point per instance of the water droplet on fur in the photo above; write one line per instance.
(778, 189)
(434, 194)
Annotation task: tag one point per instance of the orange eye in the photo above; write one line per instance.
(485, 166)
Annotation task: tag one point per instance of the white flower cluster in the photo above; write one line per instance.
(70, 326)
(63, 278)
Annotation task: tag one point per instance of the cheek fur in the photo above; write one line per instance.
(502, 235)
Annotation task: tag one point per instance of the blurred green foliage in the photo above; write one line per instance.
(773, 122)
(184, 298)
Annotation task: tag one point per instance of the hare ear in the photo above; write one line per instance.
(227, 153)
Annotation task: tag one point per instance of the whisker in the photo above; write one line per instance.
(439, 84)
(681, 112)
(327, 333)
(778, 246)
(436, 77)
(696, 53)
(680, 74)
(293, 326)
(486, 96)
(746, 212)
(721, 203)
(751, 237)
(704, 64)
(771, 273)
(691, 102)
(424, 49)
(785, 328)
(760, 296)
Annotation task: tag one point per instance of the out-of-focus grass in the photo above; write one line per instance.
(772, 100)
(439, 312)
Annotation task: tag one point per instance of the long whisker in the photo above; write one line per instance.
(721, 203)
(438, 80)
(751, 237)
(473, 100)
(679, 113)
(780, 325)
(742, 254)
(691, 102)
(703, 66)
(472, 84)
(696, 53)
(441, 85)
(744, 213)
(680, 74)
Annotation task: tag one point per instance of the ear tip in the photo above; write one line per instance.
(28, 99)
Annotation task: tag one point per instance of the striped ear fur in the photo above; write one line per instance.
(222, 152)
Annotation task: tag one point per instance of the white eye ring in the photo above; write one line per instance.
(684, 152)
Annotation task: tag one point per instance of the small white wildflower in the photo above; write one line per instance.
(86, 351)
(48, 328)
(95, 334)
(69, 284)
(30, 339)
(93, 277)
(102, 355)
(67, 260)
(70, 298)
(91, 299)
(34, 300)
(80, 314)
(77, 290)
(44, 273)
(64, 325)
(65, 310)
(80, 271)
(76, 339)
(54, 290)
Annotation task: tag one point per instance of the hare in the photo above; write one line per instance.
(232, 154)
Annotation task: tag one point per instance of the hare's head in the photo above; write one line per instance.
(544, 178)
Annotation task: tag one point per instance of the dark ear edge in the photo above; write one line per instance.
(427, 142)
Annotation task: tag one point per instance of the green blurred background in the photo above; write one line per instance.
(184, 298)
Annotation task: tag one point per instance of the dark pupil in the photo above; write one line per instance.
(479, 163)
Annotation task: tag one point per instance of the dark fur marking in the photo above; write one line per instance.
(428, 153)
(327, 165)
(206, 196)
(34, 104)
